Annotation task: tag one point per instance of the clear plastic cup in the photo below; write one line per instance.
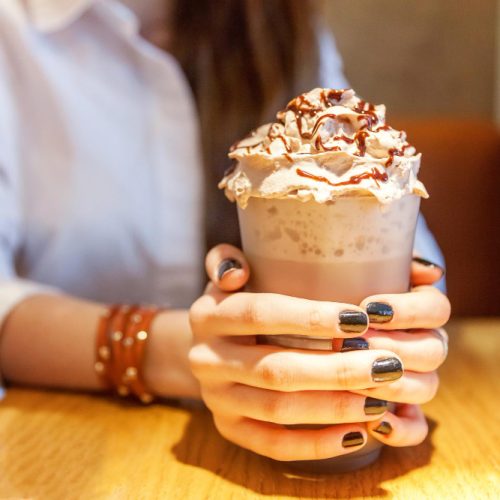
(341, 251)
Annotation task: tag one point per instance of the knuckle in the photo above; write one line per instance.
(429, 390)
(321, 448)
(446, 308)
(202, 359)
(396, 391)
(433, 385)
(278, 409)
(412, 435)
(272, 451)
(315, 318)
(273, 375)
(436, 355)
(422, 433)
(198, 315)
(340, 404)
(343, 375)
(252, 313)
(225, 429)
(411, 318)
(277, 449)
(210, 399)
(195, 358)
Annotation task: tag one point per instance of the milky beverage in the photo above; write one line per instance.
(328, 199)
(347, 249)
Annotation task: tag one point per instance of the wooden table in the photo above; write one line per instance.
(69, 446)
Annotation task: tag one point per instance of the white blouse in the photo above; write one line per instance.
(100, 170)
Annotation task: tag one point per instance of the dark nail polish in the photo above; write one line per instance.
(378, 312)
(227, 265)
(375, 406)
(384, 428)
(354, 344)
(353, 321)
(352, 439)
(427, 263)
(386, 369)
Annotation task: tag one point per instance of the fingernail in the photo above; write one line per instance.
(386, 369)
(352, 439)
(375, 406)
(378, 312)
(353, 321)
(384, 428)
(427, 263)
(354, 344)
(226, 266)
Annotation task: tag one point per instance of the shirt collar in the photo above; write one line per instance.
(53, 15)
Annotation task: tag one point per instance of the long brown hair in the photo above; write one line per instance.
(244, 60)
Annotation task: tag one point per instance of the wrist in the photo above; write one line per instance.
(167, 371)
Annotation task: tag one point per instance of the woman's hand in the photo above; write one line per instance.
(254, 390)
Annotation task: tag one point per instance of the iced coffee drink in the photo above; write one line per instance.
(328, 199)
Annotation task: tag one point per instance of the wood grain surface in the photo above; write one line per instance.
(70, 446)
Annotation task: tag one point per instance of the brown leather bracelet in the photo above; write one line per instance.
(121, 339)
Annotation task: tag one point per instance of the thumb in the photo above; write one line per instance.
(425, 272)
(227, 268)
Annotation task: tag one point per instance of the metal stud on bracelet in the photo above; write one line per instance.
(120, 348)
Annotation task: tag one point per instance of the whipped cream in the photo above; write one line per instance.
(325, 144)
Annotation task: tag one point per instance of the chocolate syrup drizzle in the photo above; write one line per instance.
(375, 174)
(301, 106)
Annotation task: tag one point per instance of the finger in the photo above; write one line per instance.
(420, 350)
(425, 272)
(414, 388)
(291, 408)
(280, 443)
(227, 267)
(423, 307)
(272, 314)
(288, 370)
(407, 427)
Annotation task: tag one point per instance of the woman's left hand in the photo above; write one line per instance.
(410, 325)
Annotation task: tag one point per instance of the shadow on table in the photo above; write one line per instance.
(202, 446)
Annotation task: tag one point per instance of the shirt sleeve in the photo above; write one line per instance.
(426, 246)
(12, 288)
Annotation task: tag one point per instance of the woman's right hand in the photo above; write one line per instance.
(255, 391)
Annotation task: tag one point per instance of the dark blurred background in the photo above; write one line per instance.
(436, 66)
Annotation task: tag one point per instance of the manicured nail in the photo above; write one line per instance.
(375, 406)
(378, 312)
(428, 263)
(354, 344)
(226, 266)
(386, 369)
(352, 439)
(353, 321)
(384, 428)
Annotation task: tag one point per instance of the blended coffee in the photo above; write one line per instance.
(328, 199)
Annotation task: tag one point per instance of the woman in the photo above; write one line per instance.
(102, 197)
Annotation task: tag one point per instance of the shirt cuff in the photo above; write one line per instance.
(12, 292)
